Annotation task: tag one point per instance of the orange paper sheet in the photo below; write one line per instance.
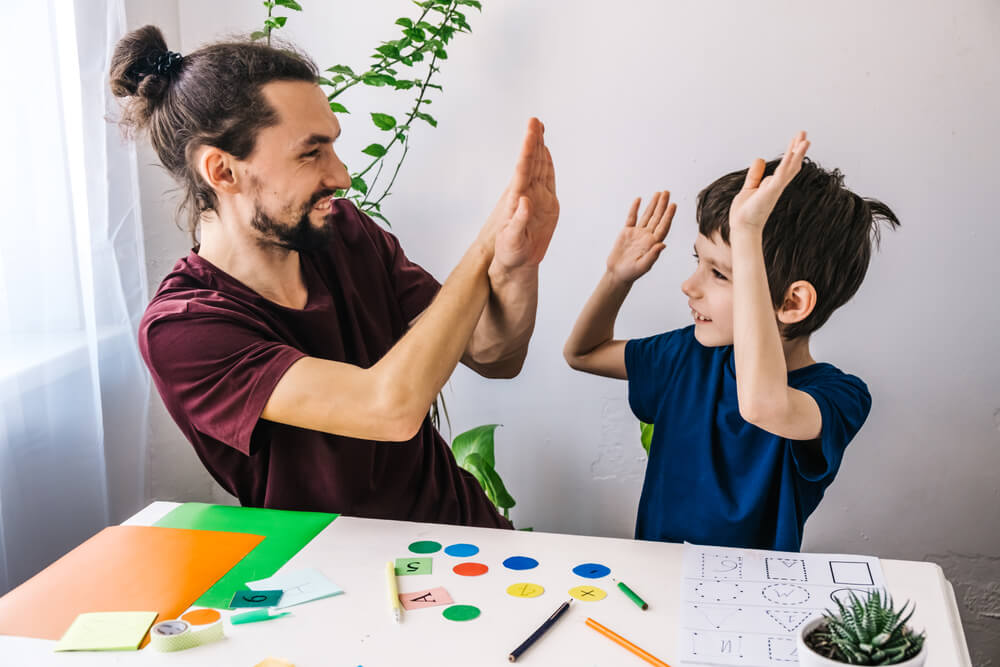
(123, 568)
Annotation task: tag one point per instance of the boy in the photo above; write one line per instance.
(749, 429)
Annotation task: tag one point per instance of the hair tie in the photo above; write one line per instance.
(165, 64)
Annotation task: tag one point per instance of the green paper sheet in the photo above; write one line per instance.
(285, 533)
(107, 631)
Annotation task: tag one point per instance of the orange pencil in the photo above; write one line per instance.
(618, 639)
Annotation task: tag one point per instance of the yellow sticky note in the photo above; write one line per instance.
(107, 631)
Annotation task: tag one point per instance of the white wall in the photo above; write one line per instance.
(902, 96)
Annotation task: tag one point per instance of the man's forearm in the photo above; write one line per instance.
(499, 343)
(423, 360)
(761, 372)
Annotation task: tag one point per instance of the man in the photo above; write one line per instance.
(297, 347)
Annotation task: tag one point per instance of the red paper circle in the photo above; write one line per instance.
(470, 569)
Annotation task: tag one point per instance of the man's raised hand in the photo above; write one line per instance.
(526, 215)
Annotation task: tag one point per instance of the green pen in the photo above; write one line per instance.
(632, 596)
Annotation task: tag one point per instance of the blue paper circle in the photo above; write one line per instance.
(461, 550)
(520, 563)
(592, 570)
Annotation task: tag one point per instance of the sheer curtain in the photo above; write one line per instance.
(73, 388)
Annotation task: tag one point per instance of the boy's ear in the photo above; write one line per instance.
(216, 167)
(799, 301)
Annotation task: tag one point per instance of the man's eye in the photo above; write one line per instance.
(718, 275)
(312, 153)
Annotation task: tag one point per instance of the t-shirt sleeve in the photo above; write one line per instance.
(649, 365)
(414, 287)
(215, 372)
(844, 403)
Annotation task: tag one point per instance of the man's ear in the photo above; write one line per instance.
(217, 168)
(798, 303)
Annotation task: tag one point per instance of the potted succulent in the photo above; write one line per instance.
(861, 632)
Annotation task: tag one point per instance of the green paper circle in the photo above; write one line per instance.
(425, 547)
(461, 612)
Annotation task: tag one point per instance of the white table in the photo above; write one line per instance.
(356, 628)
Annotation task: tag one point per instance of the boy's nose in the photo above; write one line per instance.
(689, 286)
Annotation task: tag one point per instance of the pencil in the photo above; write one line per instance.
(516, 653)
(618, 639)
(390, 582)
(631, 595)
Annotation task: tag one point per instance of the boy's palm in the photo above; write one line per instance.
(754, 203)
(640, 242)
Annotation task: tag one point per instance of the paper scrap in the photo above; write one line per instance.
(107, 631)
(255, 599)
(406, 566)
(299, 586)
(431, 597)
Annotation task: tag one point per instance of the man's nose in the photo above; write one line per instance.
(337, 176)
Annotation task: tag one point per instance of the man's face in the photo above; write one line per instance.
(710, 291)
(293, 171)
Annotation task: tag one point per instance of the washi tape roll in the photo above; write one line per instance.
(194, 628)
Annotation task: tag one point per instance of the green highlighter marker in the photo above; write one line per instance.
(633, 597)
(256, 615)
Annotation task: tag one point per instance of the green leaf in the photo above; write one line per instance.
(646, 435)
(291, 4)
(323, 81)
(257, 34)
(341, 69)
(441, 53)
(405, 22)
(427, 117)
(280, 20)
(375, 150)
(416, 34)
(359, 184)
(383, 121)
(472, 3)
(403, 84)
(478, 440)
(375, 214)
(378, 80)
(501, 497)
(337, 107)
(388, 50)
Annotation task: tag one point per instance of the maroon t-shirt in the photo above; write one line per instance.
(216, 349)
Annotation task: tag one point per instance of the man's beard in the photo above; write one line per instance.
(301, 236)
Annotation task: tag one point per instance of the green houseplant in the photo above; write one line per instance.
(862, 632)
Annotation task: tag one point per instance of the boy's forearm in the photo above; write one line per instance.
(761, 372)
(596, 323)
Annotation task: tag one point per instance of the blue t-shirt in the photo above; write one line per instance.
(714, 478)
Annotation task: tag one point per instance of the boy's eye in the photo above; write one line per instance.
(695, 255)
(718, 275)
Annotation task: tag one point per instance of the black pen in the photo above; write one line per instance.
(516, 653)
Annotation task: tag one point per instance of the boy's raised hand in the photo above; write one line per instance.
(641, 240)
(754, 203)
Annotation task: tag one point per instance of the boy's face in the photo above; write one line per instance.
(710, 291)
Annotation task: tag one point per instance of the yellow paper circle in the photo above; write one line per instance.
(525, 590)
(588, 593)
